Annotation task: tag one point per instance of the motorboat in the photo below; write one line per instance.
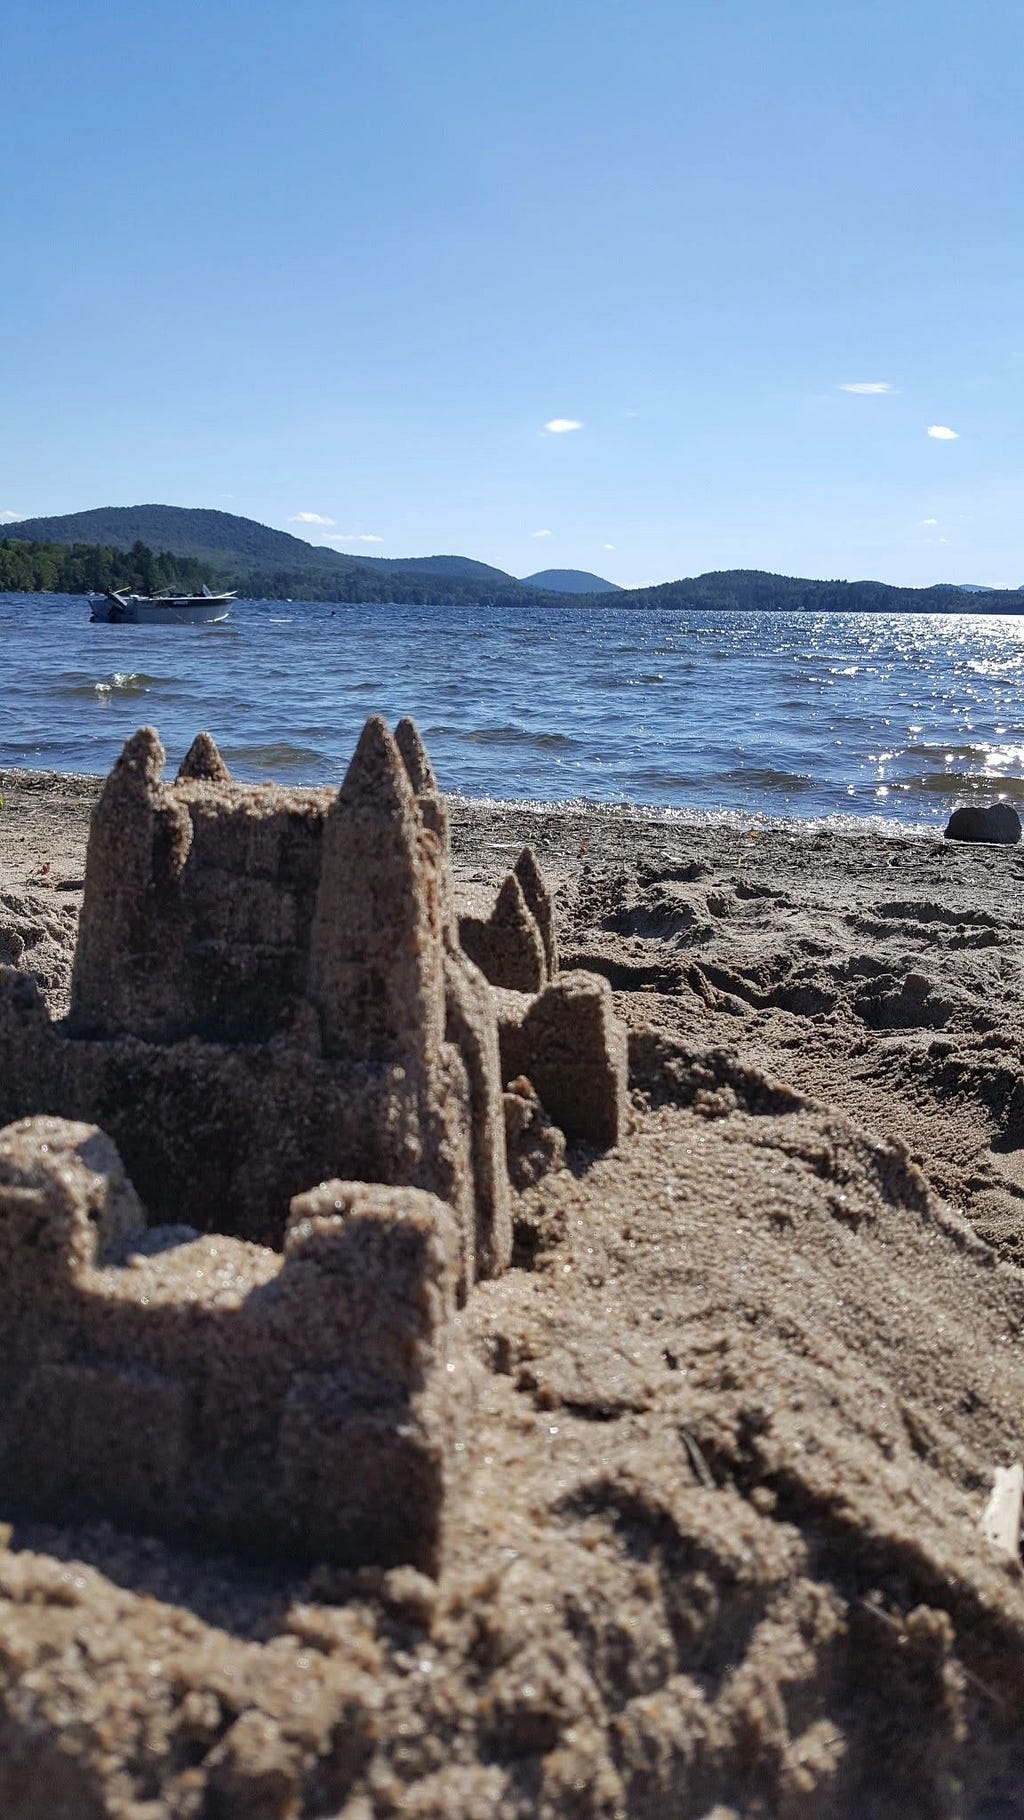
(118, 607)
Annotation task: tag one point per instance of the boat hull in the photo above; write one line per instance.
(163, 612)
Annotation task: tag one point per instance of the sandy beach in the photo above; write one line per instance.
(744, 1393)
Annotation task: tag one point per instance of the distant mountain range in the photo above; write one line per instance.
(263, 563)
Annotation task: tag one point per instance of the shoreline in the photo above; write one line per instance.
(83, 788)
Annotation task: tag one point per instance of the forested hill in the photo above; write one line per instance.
(754, 590)
(269, 564)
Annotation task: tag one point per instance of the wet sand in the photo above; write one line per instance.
(743, 1396)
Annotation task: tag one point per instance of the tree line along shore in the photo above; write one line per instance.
(44, 568)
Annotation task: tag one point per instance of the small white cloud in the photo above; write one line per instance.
(310, 518)
(9, 518)
(352, 537)
(630, 413)
(941, 432)
(607, 546)
(559, 425)
(928, 521)
(867, 388)
(541, 533)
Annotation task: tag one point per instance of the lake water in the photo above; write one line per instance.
(767, 714)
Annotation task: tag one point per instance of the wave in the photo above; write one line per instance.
(1008, 753)
(765, 777)
(278, 755)
(517, 736)
(122, 682)
(966, 783)
(616, 679)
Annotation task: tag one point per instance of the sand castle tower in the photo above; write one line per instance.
(376, 968)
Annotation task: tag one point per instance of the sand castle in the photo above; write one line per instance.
(277, 1032)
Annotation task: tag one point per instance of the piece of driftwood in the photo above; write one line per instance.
(1001, 1517)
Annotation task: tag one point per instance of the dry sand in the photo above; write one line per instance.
(746, 1392)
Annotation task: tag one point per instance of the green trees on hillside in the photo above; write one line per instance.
(33, 568)
(81, 568)
(755, 590)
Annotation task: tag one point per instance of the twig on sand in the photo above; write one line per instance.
(702, 1470)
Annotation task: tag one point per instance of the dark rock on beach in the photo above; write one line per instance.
(997, 823)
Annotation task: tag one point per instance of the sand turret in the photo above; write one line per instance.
(533, 885)
(418, 767)
(130, 935)
(432, 807)
(469, 1026)
(376, 957)
(202, 763)
(511, 934)
(502, 937)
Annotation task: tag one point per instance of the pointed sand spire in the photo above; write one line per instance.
(433, 810)
(507, 945)
(514, 918)
(140, 766)
(538, 897)
(414, 755)
(471, 1027)
(125, 975)
(202, 763)
(376, 779)
(376, 946)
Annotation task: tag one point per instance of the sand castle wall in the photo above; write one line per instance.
(569, 1043)
(270, 992)
(307, 1401)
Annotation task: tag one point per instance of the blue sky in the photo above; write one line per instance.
(349, 257)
